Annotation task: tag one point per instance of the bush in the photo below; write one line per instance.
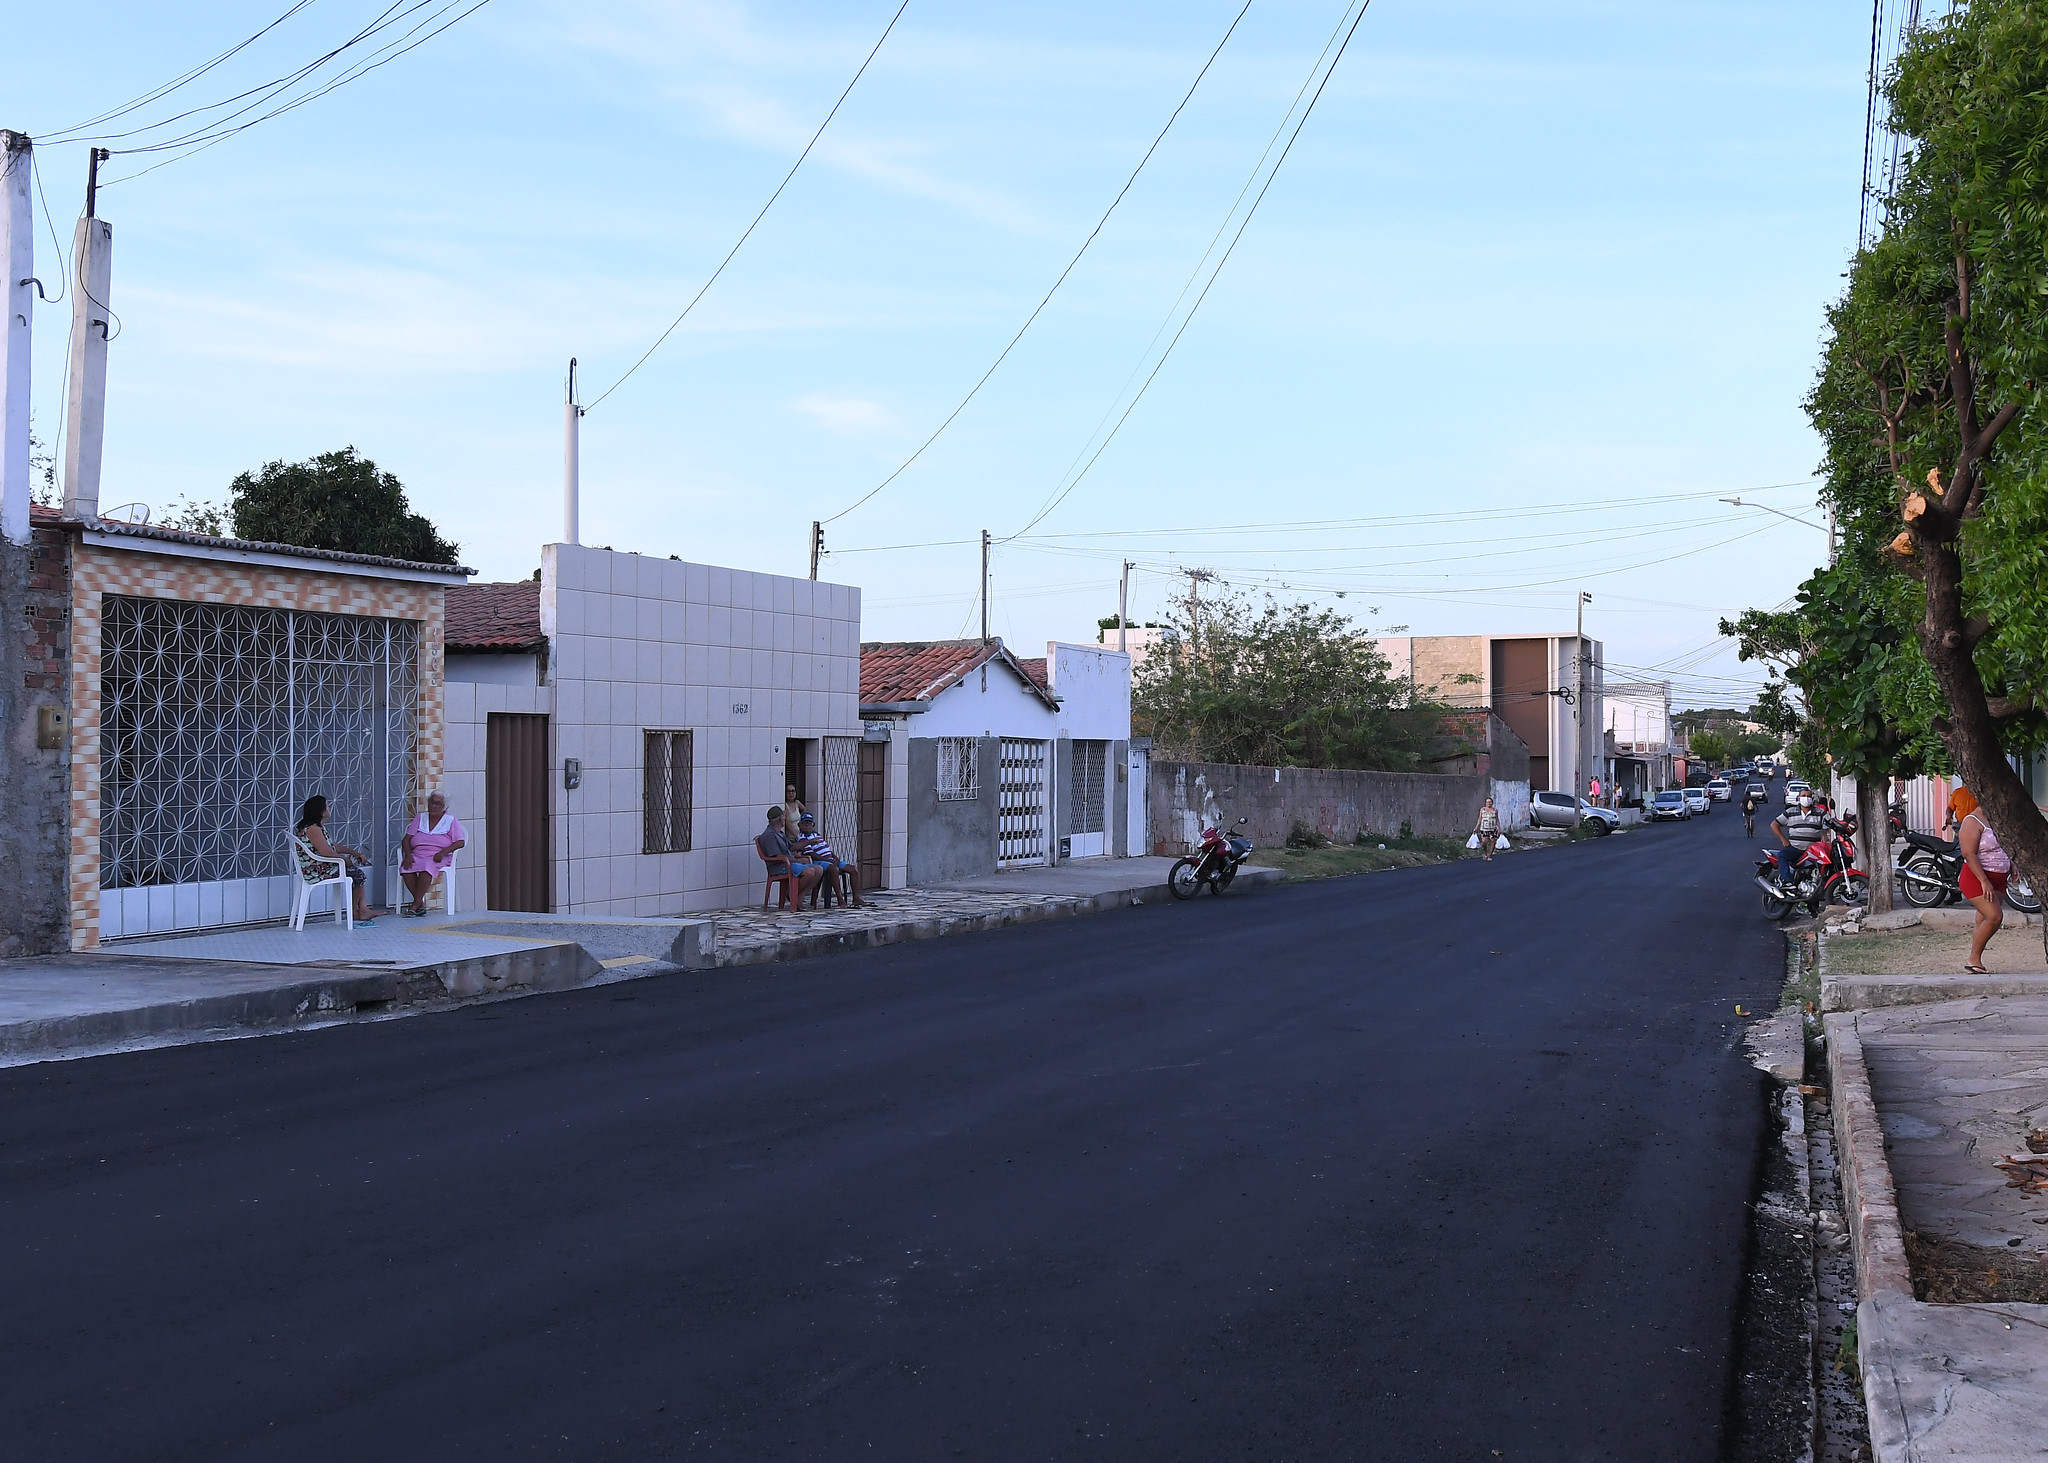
(1301, 835)
(1407, 828)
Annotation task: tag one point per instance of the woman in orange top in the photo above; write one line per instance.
(1986, 867)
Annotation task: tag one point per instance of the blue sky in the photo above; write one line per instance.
(1536, 285)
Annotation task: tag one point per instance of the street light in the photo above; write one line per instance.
(1829, 530)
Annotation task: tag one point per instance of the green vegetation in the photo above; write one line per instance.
(1333, 859)
(336, 501)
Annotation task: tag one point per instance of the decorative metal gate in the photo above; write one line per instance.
(1087, 800)
(839, 817)
(216, 722)
(1020, 815)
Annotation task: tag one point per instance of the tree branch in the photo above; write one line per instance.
(2003, 708)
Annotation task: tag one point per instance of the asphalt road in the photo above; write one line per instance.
(1447, 1162)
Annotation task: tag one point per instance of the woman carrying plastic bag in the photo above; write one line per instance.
(1486, 832)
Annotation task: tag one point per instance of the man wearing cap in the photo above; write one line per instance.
(811, 845)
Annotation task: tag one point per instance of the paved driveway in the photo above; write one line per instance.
(1426, 1164)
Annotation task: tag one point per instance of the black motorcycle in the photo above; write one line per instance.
(1931, 874)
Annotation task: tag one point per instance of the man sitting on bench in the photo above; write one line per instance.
(811, 845)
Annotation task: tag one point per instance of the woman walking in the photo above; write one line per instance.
(1488, 829)
(1986, 867)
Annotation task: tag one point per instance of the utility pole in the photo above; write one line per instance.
(817, 545)
(1123, 608)
(572, 464)
(85, 399)
(1580, 755)
(984, 586)
(1196, 578)
(17, 244)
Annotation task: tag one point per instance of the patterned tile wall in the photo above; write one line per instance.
(98, 571)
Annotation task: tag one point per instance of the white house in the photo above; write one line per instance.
(1008, 762)
(619, 725)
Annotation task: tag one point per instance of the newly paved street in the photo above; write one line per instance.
(1440, 1163)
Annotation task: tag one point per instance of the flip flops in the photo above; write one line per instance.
(1976, 970)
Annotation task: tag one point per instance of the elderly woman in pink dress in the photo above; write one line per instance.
(429, 849)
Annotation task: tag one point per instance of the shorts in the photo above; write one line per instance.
(1974, 890)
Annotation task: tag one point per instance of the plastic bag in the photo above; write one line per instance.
(1501, 844)
(1473, 841)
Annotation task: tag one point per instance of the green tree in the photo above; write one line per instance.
(1711, 748)
(1928, 639)
(336, 501)
(1285, 686)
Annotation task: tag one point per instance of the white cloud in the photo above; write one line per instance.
(846, 416)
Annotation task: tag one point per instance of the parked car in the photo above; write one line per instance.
(1668, 804)
(1719, 790)
(1697, 801)
(1563, 810)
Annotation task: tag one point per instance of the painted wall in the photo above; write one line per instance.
(955, 839)
(495, 670)
(1005, 706)
(1094, 688)
(1339, 804)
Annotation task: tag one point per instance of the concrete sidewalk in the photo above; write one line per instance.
(1927, 1100)
(213, 985)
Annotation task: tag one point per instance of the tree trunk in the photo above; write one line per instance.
(1971, 734)
(1876, 834)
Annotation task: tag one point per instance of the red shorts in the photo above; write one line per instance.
(1974, 890)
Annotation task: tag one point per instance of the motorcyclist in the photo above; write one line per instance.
(1798, 828)
(1751, 801)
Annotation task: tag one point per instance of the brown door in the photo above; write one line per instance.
(516, 812)
(874, 759)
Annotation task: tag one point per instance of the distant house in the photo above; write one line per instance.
(1009, 762)
(618, 727)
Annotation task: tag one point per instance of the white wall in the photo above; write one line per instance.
(1094, 687)
(1006, 707)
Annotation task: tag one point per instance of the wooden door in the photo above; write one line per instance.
(874, 762)
(516, 812)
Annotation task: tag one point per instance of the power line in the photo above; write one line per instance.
(1004, 354)
(735, 249)
(1250, 213)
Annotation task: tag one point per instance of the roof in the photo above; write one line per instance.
(896, 672)
(494, 617)
(124, 529)
(1036, 670)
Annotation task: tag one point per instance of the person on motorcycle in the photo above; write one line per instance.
(1798, 828)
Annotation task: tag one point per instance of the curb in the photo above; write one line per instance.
(1064, 907)
(344, 993)
(1868, 1196)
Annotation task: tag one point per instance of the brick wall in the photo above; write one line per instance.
(33, 651)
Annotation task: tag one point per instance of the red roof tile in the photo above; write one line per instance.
(1036, 669)
(894, 671)
(494, 617)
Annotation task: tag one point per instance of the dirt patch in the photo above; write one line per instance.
(1920, 951)
(1337, 859)
(1950, 1272)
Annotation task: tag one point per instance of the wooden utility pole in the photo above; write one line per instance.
(1196, 579)
(817, 545)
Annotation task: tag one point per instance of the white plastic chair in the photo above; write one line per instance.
(445, 878)
(302, 899)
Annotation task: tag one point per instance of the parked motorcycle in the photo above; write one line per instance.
(1931, 874)
(1215, 863)
(1824, 874)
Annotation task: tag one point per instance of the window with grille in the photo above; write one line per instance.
(957, 780)
(668, 767)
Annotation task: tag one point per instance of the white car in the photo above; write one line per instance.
(1719, 790)
(1697, 801)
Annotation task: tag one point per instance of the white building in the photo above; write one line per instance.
(1639, 734)
(1008, 762)
(618, 727)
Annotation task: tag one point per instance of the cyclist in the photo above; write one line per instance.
(1751, 801)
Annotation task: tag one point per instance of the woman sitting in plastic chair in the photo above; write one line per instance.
(429, 847)
(353, 860)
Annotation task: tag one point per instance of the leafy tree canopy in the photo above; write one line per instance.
(1282, 686)
(337, 501)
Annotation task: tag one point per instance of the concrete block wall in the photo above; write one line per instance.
(35, 651)
(744, 661)
(1338, 803)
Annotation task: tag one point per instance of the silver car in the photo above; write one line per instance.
(1563, 810)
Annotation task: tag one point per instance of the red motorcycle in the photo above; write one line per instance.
(1824, 874)
(1214, 863)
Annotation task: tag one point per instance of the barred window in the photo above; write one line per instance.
(668, 767)
(957, 780)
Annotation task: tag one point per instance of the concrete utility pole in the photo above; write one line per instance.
(1123, 607)
(17, 243)
(817, 545)
(85, 397)
(1196, 578)
(1579, 717)
(984, 587)
(572, 464)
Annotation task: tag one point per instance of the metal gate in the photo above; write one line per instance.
(1020, 814)
(874, 763)
(1087, 800)
(518, 859)
(839, 818)
(216, 722)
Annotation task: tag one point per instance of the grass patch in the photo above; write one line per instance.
(1333, 860)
